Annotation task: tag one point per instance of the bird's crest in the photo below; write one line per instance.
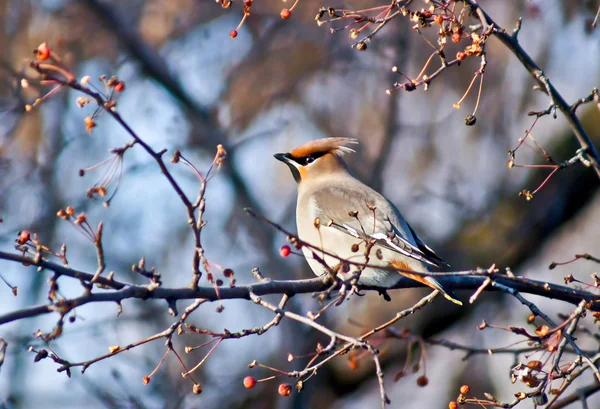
(337, 146)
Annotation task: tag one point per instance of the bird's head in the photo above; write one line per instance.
(317, 158)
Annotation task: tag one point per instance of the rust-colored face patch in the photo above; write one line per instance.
(303, 172)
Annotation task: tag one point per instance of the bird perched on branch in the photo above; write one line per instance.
(352, 229)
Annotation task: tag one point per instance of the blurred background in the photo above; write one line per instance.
(278, 84)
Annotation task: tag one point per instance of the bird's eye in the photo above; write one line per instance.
(308, 160)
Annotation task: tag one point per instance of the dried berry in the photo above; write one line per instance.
(285, 389)
(422, 381)
(285, 251)
(286, 14)
(249, 382)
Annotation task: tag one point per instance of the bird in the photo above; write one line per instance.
(348, 225)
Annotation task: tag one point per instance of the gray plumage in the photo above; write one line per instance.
(338, 214)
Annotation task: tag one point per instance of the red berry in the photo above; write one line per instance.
(233, 33)
(285, 251)
(285, 389)
(120, 87)
(422, 381)
(24, 237)
(455, 38)
(247, 3)
(438, 19)
(43, 52)
(286, 14)
(460, 56)
(249, 382)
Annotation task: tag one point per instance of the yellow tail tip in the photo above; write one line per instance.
(454, 300)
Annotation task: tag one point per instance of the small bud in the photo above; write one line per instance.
(354, 248)
(460, 56)
(362, 46)
(542, 330)
(290, 357)
(62, 214)
(120, 87)
(249, 382)
(422, 381)
(438, 19)
(114, 348)
(43, 52)
(452, 405)
(197, 389)
(81, 218)
(85, 80)
(24, 83)
(464, 389)
(233, 33)
(483, 325)
(24, 237)
(146, 380)
(470, 120)
(89, 124)
(42, 354)
(455, 38)
(228, 273)
(285, 389)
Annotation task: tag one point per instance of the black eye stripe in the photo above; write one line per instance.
(307, 160)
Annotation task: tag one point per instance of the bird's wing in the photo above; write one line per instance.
(366, 215)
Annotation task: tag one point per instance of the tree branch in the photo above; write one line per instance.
(557, 100)
(464, 280)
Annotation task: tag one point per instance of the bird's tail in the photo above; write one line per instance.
(433, 283)
(427, 280)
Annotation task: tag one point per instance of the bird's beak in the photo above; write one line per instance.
(287, 159)
(284, 157)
